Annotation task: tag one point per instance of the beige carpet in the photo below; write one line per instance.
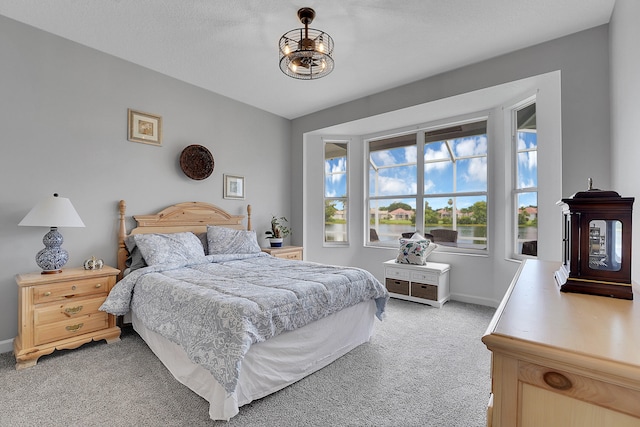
(424, 367)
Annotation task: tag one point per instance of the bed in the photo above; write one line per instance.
(230, 322)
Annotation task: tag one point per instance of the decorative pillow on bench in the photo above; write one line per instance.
(415, 250)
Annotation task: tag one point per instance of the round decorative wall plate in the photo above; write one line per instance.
(196, 162)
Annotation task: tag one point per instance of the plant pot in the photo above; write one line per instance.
(276, 242)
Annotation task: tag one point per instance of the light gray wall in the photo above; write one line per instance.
(625, 112)
(582, 59)
(63, 117)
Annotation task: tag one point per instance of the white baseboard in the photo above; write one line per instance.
(6, 346)
(475, 300)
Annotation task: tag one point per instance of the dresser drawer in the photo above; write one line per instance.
(397, 273)
(70, 328)
(422, 290)
(430, 277)
(70, 289)
(397, 286)
(66, 310)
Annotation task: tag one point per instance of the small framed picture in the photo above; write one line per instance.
(233, 187)
(145, 128)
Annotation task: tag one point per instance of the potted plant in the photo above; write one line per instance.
(278, 231)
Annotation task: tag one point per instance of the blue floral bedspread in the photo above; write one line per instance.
(216, 309)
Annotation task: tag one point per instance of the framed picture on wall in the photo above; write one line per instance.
(145, 128)
(233, 187)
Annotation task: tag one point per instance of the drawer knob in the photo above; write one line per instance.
(47, 294)
(72, 310)
(73, 288)
(74, 328)
(99, 285)
(557, 380)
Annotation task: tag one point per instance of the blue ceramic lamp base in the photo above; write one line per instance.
(52, 258)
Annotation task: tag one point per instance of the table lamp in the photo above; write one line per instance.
(52, 212)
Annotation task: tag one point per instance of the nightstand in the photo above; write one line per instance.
(60, 311)
(286, 252)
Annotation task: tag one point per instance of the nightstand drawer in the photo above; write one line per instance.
(397, 286)
(70, 328)
(397, 273)
(425, 277)
(66, 310)
(421, 290)
(70, 289)
(290, 255)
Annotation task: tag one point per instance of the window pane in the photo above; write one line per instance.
(438, 177)
(335, 184)
(527, 241)
(471, 221)
(527, 164)
(388, 219)
(392, 168)
(466, 228)
(335, 221)
(458, 164)
(393, 181)
(471, 174)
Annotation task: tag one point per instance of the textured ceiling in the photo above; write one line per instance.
(230, 47)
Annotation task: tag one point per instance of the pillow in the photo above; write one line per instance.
(135, 259)
(222, 240)
(414, 250)
(183, 248)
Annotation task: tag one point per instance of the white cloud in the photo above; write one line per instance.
(477, 170)
(528, 160)
(395, 185)
(429, 185)
(410, 154)
(471, 146)
(440, 153)
(382, 158)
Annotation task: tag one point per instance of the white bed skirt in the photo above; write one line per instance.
(271, 365)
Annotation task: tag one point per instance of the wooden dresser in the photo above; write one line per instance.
(60, 311)
(563, 359)
(286, 252)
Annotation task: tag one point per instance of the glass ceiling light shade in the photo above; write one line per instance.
(52, 212)
(305, 53)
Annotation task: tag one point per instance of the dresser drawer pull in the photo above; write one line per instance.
(557, 381)
(74, 328)
(73, 288)
(99, 285)
(47, 294)
(72, 310)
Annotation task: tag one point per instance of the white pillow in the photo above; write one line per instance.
(183, 248)
(222, 240)
(415, 250)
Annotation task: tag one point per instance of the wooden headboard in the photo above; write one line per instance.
(188, 216)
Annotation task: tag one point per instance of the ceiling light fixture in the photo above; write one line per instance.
(305, 53)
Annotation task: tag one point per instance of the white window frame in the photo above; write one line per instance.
(345, 200)
(419, 131)
(515, 191)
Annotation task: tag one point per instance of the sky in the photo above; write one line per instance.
(397, 172)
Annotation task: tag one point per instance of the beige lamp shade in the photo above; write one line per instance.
(53, 211)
